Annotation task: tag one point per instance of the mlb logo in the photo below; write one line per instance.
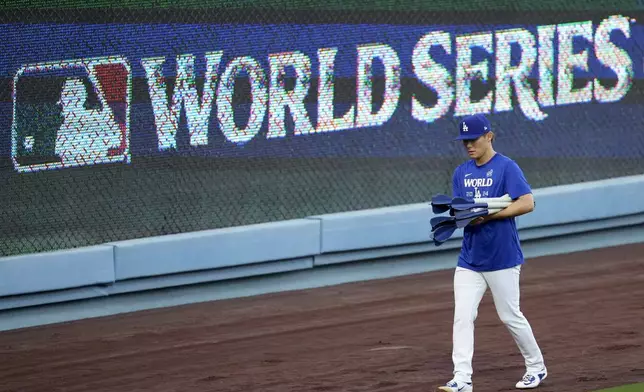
(71, 113)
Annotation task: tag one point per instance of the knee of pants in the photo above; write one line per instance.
(512, 318)
(465, 317)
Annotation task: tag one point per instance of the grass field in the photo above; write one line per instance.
(625, 388)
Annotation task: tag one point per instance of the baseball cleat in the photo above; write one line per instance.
(456, 386)
(532, 380)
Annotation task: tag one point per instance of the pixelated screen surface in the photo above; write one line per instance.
(125, 123)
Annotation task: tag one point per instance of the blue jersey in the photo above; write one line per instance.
(493, 245)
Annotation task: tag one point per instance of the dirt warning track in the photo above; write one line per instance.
(587, 311)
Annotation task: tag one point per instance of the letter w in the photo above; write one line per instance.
(167, 108)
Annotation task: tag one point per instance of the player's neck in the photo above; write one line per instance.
(485, 158)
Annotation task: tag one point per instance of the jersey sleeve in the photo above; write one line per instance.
(516, 184)
(456, 182)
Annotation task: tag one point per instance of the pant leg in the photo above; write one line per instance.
(469, 288)
(504, 285)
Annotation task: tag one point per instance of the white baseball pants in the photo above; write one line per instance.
(469, 288)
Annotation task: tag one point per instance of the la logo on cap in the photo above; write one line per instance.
(465, 127)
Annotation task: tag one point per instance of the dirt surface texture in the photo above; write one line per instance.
(586, 309)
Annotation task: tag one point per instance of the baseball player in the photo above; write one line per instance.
(491, 255)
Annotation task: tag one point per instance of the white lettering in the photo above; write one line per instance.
(466, 72)
(518, 75)
(613, 57)
(326, 121)
(546, 64)
(280, 98)
(578, 44)
(366, 56)
(164, 114)
(197, 113)
(167, 109)
(569, 60)
(433, 75)
(259, 96)
(478, 182)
